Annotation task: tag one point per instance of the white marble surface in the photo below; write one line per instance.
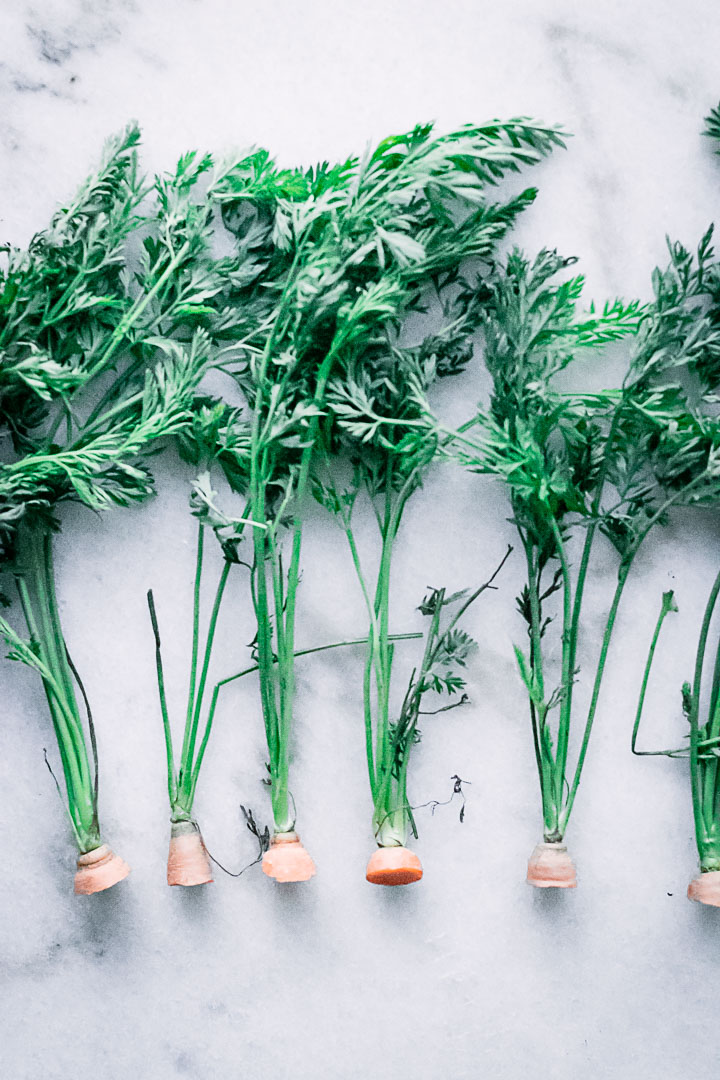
(470, 973)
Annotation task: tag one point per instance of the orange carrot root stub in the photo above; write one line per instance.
(287, 859)
(188, 862)
(393, 866)
(99, 870)
(550, 867)
(706, 888)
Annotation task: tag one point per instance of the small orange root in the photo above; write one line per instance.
(188, 862)
(550, 867)
(393, 866)
(706, 888)
(98, 870)
(287, 859)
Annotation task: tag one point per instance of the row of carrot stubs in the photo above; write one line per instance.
(346, 293)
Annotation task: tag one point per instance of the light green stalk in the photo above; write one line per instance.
(704, 738)
(36, 589)
(182, 780)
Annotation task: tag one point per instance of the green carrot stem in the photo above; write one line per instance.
(667, 605)
(195, 647)
(282, 668)
(258, 474)
(171, 773)
(317, 649)
(575, 621)
(537, 717)
(623, 573)
(401, 802)
(255, 667)
(470, 600)
(380, 658)
(713, 728)
(93, 740)
(185, 783)
(66, 722)
(367, 677)
(383, 651)
(607, 635)
(567, 673)
(703, 827)
(266, 658)
(57, 661)
(535, 625)
(539, 761)
(286, 617)
(715, 692)
(37, 572)
(48, 585)
(570, 646)
(372, 764)
(52, 691)
(711, 764)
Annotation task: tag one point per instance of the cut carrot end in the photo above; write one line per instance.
(287, 859)
(188, 862)
(550, 867)
(706, 888)
(99, 870)
(393, 866)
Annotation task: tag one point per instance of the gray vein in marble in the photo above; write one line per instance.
(563, 32)
(58, 34)
(567, 35)
(601, 185)
(51, 48)
(93, 23)
(571, 47)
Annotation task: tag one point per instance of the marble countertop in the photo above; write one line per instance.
(470, 973)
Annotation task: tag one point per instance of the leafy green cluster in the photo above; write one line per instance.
(361, 239)
(379, 420)
(547, 445)
(665, 435)
(101, 360)
(685, 460)
(340, 256)
(60, 298)
(106, 329)
(577, 464)
(651, 439)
